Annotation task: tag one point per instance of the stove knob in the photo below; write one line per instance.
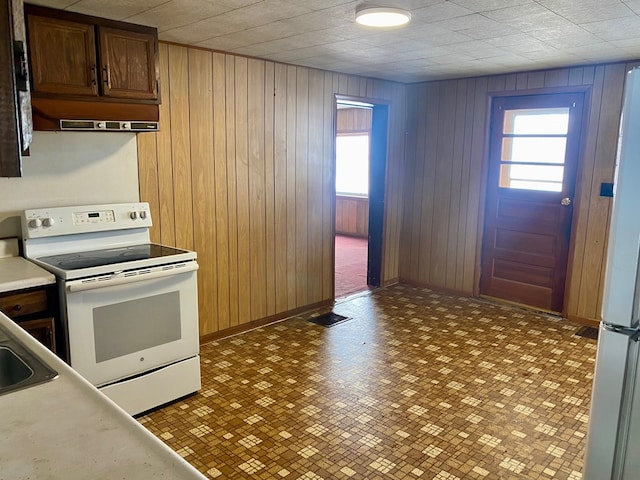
(48, 222)
(143, 214)
(133, 215)
(35, 223)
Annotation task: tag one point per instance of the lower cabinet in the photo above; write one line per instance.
(43, 330)
(35, 310)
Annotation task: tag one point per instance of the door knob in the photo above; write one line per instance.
(565, 202)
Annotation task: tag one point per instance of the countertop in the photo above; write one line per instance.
(67, 429)
(17, 273)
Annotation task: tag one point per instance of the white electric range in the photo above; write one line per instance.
(129, 307)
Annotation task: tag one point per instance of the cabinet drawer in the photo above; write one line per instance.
(25, 303)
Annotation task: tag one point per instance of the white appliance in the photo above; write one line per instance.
(613, 440)
(129, 307)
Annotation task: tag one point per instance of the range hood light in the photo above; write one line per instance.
(382, 17)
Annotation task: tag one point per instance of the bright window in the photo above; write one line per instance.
(534, 145)
(352, 164)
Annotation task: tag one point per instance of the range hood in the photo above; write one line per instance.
(78, 115)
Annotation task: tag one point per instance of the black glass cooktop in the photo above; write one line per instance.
(109, 256)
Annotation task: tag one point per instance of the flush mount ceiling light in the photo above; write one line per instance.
(382, 16)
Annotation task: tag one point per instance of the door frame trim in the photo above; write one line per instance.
(586, 90)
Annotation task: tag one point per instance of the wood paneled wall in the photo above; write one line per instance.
(242, 172)
(352, 216)
(444, 200)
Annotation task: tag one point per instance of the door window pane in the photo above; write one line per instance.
(537, 121)
(352, 164)
(534, 149)
(534, 145)
(532, 177)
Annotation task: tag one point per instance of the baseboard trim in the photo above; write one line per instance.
(589, 322)
(524, 306)
(435, 288)
(245, 327)
(391, 281)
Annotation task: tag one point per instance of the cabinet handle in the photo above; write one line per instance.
(17, 308)
(93, 74)
(106, 79)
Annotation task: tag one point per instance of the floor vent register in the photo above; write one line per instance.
(587, 332)
(328, 319)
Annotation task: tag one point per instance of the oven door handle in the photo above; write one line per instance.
(175, 269)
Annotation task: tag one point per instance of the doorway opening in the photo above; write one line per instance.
(360, 165)
(533, 158)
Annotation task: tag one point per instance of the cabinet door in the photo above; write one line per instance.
(128, 64)
(63, 56)
(43, 330)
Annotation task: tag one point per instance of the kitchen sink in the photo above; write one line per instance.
(12, 369)
(19, 368)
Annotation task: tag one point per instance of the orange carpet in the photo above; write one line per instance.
(351, 265)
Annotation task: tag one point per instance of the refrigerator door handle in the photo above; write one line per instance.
(632, 333)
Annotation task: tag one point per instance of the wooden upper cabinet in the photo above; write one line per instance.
(81, 56)
(128, 64)
(63, 56)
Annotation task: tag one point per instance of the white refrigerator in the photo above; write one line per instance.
(613, 439)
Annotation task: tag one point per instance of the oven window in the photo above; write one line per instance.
(136, 325)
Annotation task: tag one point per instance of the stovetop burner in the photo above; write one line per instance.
(109, 256)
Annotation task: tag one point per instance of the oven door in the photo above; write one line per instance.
(132, 322)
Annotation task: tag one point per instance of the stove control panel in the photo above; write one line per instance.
(55, 221)
(104, 216)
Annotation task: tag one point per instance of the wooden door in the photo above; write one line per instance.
(533, 156)
(63, 56)
(377, 174)
(128, 64)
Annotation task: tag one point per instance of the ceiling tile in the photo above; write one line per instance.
(633, 5)
(489, 31)
(488, 5)
(586, 10)
(178, 13)
(118, 9)
(514, 40)
(529, 17)
(633, 42)
(593, 52)
(434, 35)
(438, 12)
(617, 29)
(221, 44)
(468, 22)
